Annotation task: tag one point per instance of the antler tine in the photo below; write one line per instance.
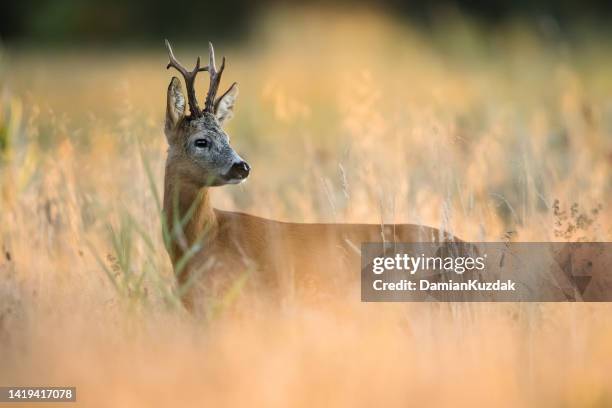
(211, 58)
(215, 79)
(189, 77)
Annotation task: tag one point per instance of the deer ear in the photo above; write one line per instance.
(175, 104)
(224, 106)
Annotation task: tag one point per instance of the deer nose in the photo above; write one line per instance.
(240, 170)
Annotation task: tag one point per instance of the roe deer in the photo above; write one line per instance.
(210, 248)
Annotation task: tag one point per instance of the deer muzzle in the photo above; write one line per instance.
(238, 172)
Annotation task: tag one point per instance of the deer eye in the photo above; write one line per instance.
(201, 143)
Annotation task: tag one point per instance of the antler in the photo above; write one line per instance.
(189, 77)
(215, 79)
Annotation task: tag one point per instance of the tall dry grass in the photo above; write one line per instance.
(345, 118)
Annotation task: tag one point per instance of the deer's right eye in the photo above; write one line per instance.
(201, 143)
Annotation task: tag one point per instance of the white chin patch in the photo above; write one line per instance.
(235, 181)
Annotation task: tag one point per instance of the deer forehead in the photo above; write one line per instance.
(205, 122)
(206, 125)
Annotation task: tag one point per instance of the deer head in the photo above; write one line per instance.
(199, 150)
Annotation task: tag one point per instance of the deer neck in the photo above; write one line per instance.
(188, 212)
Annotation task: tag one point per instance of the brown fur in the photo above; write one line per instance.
(308, 261)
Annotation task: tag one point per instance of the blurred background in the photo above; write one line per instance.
(72, 22)
(489, 119)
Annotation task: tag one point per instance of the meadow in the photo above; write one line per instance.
(495, 135)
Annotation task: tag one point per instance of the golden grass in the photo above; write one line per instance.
(344, 118)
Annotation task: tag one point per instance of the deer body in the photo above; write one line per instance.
(280, 257)
(214, 247)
